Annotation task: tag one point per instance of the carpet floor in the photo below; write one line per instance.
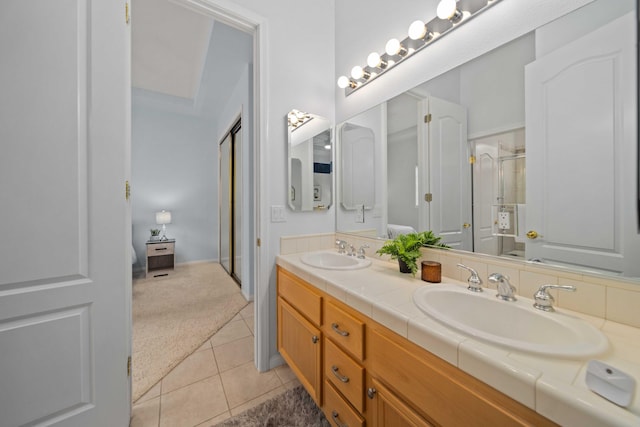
(293, 408)
(174, 316)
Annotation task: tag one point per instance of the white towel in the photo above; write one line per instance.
(394, 230)
(522, 230)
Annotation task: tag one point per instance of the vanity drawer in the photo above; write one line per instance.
(300, 296)
(337, 410)
(346, 330)
(345, 374)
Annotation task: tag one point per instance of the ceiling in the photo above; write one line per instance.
(183, 54)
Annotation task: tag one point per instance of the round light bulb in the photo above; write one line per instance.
(357, 72)
(446, 9)
(417, 30)
(373, 60)
(393, 47)
(343, 82)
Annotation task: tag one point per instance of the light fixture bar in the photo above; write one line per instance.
(398, 51)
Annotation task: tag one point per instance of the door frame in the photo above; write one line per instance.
(248, 21)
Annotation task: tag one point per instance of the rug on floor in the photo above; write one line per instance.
(174, 316)
(293, 408)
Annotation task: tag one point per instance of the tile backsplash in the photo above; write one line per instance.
(599, 296)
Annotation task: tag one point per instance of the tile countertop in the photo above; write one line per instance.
(555, 388)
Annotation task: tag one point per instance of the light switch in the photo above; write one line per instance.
(277, 214)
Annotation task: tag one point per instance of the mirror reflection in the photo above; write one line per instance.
(527, 152)
(310, 149)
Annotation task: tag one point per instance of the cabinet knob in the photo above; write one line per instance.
(336, 419)
(314, 339)
(371, 392)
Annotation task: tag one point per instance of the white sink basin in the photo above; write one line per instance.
(334, 261)
(516, 325)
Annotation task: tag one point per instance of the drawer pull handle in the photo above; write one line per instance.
(161, 249)
(371, 392)
(337, 329)
(314, 339)
(336, 419)
(342, 378)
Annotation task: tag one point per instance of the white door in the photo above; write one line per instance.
(485, 195)
(449, 174)
(65, 257)
(581, 151)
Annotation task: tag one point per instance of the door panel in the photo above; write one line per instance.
(65, 282)
(225, 203)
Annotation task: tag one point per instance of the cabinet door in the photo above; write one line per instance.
(300, 344)
(389, 410)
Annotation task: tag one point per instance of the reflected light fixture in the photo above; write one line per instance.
(450, 15)
(163, 218)
(297, 118)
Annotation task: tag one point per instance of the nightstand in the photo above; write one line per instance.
(160, 257)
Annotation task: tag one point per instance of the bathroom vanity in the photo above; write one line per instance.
(368, 356)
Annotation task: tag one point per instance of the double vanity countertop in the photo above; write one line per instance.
(554, 387)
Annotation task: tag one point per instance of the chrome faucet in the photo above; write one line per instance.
(342, 246)
(352, 250)
(505, 289)
(361, 251)
(475, 282)
(544, 300)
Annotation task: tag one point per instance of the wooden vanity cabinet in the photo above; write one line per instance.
(363, 374)
(299, 335)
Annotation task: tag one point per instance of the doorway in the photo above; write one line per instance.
(230, 199)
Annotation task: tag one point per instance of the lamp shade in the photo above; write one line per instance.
(163, 217)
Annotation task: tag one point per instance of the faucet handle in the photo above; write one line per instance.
(475, 282)
(352, 250)
(361, 251)
(342, 246)
(544, 300)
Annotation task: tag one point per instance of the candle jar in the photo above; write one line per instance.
(431, 271)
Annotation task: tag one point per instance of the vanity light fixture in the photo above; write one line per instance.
(447, 9)
(297, 118)
(450, 15)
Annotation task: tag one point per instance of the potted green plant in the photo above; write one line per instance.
(155, 233)
(406, 249)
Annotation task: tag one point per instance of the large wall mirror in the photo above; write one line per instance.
(310, 160)
(528, 152)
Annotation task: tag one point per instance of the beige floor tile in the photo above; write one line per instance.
(247, 311)
(193, 404)
(215, 420)
(153, 392)
(196, 367)
(205, 346)
(146, 414)
(245, 383)
(258, 400)
(236, 317)
(232, 331)
(285, 373)
(234, 354)
(250, 321)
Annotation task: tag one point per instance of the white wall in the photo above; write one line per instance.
(174, 167)
(299, 74)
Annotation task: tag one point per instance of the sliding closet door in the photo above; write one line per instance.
(230, 199)
(236, 135)
(225, 203)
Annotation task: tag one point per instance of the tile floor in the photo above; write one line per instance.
(217, 381)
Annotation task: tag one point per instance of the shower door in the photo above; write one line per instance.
(230, 187)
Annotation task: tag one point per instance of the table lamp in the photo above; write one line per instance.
(163, 218)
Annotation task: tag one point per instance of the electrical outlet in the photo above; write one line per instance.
(504, 221)
(360, 214)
